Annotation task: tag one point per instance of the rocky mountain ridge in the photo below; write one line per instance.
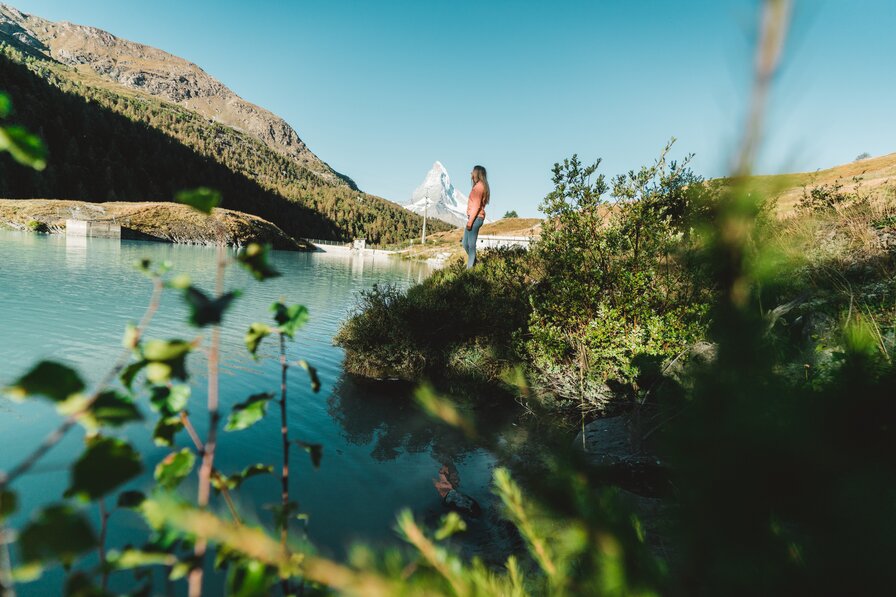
(157, 73)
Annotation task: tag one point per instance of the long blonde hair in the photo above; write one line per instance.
(480, 175)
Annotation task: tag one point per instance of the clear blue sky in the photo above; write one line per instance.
(380, 90)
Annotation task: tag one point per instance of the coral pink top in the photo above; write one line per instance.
(475, 207)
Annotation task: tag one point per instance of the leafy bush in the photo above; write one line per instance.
(511, 214)
(37, 226)
(454, 312)
(616, 279)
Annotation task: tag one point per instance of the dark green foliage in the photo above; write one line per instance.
(106, 464)
(106, 146)
(53, 380)
(165, 360)
(57, 533)
(511, 214)
(247, 413)
(255, 260)
(130, 499)
(457, 319)
(204, 310)
(233, 482)
(169, 400)
(166, 428)
(174, 468)
(316, 451)
(289, 318)
(9, 502)
(312, 375)
(618, 282)
(114, 409)
(257, 332)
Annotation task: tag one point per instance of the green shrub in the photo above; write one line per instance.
(409, 334)
(37, 226)
(617, 279)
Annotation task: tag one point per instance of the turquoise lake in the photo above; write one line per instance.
(69, 300)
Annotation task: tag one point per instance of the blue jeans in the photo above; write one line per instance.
(469, 241)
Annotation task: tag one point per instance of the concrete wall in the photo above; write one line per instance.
(89, 228)
(497, 241)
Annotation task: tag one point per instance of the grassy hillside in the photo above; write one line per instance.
(112, 144)
(873, 174)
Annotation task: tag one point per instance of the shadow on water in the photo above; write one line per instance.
(384, 417)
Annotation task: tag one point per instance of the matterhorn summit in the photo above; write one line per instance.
(439, 198)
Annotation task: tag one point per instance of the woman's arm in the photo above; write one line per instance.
(474, 205)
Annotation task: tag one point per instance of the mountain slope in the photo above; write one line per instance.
(110, 142)
(162, 75)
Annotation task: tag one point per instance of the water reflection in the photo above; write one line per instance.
(75, 251)
(386, 417)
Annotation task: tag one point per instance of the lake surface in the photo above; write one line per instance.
(69, 299)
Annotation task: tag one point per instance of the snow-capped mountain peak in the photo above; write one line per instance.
(438, 197)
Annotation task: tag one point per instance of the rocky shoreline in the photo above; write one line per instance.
(155, 221)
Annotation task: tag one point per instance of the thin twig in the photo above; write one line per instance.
(284, 474)
(208, 455)
(216, 474)
(101, 548)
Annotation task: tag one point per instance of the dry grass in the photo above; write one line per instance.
(440, 243)
(875, 173)
(168, 222)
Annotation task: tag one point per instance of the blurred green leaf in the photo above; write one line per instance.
(130, 558)
(245, 414)
(25, 148)
(165, 430)
(201, 199)
(56, 382)
(312, 375)
(316, 451)
(130, 372)
(106, 464)
(234, 481)
(174, 468)
(249, 578)
(255, 259)
(165, 350)
(169, 400)
(181, 282)
(8, 503)
(290, 318)
(204, 310)
(131, 336)
(57, 533)
(130, 499)
(166, 360)
(5, 105)
(283, 513)
(113, 410)
(452, 523)
(257, 332)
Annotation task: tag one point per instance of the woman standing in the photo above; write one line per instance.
(479, 197)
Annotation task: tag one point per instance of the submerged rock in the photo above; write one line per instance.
(462, 503)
